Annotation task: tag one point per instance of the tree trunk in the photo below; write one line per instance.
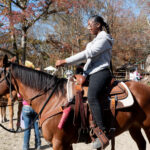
(13, 38)
(14, 44)
(24, 44)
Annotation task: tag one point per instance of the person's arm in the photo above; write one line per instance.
(77, 58)
(99, 46)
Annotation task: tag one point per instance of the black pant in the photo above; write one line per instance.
(97, 85)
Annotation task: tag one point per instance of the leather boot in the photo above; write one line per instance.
(101, 141)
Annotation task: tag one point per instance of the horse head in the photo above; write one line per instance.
(7, 90)
(4, 74)
(5, 62)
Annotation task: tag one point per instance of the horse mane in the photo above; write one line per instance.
(36, 79)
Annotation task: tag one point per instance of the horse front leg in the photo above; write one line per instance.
(147, 132)
(4, 113)
(137, 136)
(62, 147)
(59, 145)
(1, 116)
(10, 107)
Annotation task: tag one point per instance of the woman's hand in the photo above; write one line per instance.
(60, 63)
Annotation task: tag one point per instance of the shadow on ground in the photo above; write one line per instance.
(42, 147)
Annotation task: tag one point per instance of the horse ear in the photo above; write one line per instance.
(13, 59)
(5, 60)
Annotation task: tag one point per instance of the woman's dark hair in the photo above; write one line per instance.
(99, 19)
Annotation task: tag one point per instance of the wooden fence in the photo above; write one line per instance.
(121, 75)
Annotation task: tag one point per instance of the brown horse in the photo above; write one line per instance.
(8, 99)
(29, 83)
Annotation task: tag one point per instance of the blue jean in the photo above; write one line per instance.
(97, 86)
(28, 115)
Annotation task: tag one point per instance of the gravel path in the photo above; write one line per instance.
(10, 141)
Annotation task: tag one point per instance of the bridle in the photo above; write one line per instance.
(7, 75)
(2, 70)
(7, 78)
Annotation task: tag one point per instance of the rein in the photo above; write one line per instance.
(38, 95)
(2, 80)
(31, 99)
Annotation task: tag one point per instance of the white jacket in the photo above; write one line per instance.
(97, 53)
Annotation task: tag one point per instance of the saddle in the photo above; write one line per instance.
(117, 96)
(118, 92)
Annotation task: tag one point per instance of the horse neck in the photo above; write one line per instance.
(26, 93)
(30, 83)
(57, 99)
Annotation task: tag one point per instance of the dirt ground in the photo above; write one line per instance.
(11, 141)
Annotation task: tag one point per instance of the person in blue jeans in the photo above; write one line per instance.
(28, 115)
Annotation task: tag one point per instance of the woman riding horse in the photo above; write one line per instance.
(36, 87)
(98, 55)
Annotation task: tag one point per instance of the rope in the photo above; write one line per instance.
(8, 105)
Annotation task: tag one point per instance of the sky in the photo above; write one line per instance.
(133, 5)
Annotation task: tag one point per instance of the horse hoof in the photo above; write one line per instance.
(49, 143)
(5, 120)
(12, 129)
(19, 129)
